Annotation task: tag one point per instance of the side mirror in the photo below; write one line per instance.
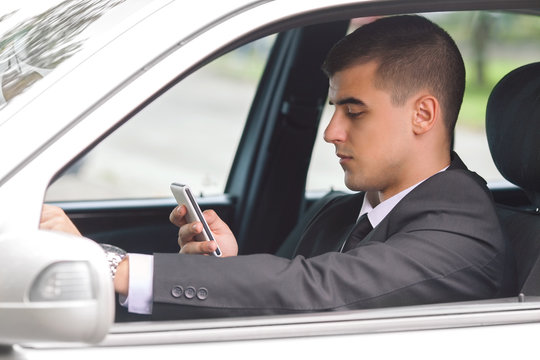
(54, 287)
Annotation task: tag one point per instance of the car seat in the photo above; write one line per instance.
(513, 133)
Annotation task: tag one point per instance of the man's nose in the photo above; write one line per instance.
(334, 132)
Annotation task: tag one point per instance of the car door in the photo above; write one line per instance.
(256, 171)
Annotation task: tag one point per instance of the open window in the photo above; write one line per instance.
(189, 134)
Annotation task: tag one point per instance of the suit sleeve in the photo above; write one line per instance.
(440, 252)
(374, 275)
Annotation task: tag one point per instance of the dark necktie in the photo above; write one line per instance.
(362, 228)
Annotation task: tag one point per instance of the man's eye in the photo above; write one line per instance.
(353, 115)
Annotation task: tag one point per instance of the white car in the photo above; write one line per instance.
(104, 103)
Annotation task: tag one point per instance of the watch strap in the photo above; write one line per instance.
(114, 256)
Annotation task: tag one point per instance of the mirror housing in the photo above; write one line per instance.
(54, 287)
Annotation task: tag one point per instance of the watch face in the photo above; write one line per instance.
(113, 249)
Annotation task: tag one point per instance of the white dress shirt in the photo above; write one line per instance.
(141, 267)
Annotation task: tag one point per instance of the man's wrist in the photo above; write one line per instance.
(121, 280)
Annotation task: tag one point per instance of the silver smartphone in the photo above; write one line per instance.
(183, 195)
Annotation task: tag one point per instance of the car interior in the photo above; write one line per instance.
(266, 184)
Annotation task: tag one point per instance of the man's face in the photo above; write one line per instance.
(371, 135)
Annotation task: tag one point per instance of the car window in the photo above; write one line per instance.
(178, 137)
(492, 44)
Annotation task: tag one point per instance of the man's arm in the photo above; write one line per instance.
(54, 218)
(417, 268)
(442, 243)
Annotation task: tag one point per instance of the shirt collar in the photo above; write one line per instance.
(378, 213)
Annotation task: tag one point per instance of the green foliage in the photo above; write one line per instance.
(492, 44)
(473, 110)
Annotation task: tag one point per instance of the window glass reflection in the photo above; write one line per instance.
(34, 40)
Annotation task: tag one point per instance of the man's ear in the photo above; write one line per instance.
(426, 113)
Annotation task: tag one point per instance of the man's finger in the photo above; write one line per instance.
(188, 232)
(177, 216)
(199, 247)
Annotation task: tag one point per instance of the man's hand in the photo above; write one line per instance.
(187, 232)
(54, 218)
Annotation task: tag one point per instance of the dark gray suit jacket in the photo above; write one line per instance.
(441, 243)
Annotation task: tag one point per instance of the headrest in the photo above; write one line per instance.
(513, 128)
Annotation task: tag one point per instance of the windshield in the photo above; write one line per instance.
(37, 36)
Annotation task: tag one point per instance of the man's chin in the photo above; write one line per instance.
(357, 184)
(352, 185)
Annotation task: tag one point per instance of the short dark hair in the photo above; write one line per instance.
(413, 54)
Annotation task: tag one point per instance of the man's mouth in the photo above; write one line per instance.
(343, 158)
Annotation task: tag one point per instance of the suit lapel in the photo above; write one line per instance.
(331, 226)
(394, 218)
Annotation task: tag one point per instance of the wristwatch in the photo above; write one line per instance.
(114, 256)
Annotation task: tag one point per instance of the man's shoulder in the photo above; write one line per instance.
(451, 202)
(455, 192)
(458, 181)
(458, 171)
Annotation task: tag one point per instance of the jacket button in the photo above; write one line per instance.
(190, 292)
(177, 291)
(202, 293)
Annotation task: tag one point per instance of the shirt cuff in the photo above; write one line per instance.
(141, 278)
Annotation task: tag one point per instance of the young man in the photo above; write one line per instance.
(421, 230)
